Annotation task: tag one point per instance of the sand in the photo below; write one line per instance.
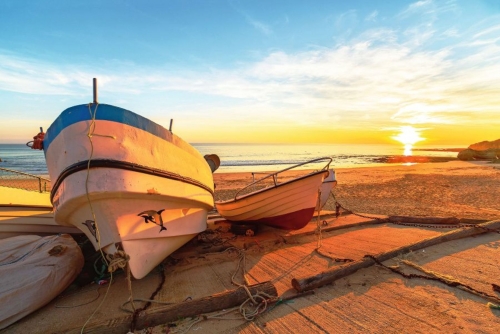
(372, 300)
(455, 188)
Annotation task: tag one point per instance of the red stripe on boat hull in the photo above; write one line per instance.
(290, 221)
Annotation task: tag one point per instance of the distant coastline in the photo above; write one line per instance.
(403, 159)
(440, 149)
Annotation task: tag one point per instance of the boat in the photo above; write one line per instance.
(25, 207)
(327, 185)
(129, 184)
(34, 271)
(285, 205)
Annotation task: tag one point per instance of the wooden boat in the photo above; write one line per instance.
(329, 182)
(128, 183)
(26, 212)
(34, 271)
(288, 205)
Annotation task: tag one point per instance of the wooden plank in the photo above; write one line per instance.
(329, 276)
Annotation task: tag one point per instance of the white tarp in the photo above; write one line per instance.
(33, 271)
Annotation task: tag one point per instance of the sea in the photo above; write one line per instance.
(252, 157)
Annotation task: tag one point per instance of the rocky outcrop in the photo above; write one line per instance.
(485, 150)
(486, 145)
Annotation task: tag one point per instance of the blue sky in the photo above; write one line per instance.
(258, 71)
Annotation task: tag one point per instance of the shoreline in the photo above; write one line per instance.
(371, 161)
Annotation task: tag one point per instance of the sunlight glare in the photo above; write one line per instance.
(408, 136)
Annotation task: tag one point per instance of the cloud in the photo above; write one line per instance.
(430, 8)
(379, 76)
(372, 16)
(260, 26)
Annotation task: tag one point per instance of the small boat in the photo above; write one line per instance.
(128, 183)
(34, 271)
(326, 187)
(25, 206)
(287, 205)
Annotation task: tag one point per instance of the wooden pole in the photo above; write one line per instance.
(331, 275)
(169, 313)
(171, 122)
(95, 90)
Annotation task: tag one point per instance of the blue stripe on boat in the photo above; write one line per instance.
(104, 112)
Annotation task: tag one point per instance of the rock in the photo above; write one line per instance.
(466, 155)
(486, 145)
(485, 150)
(490, 154)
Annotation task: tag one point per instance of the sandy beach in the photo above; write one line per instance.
(371, 300)
(454, 188)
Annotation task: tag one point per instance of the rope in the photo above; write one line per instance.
(80, 292)
(339, 205)
(450, 281)
(318, 226)
(117, 261)
(253, 306)
(320, 236)
(148, 301)
(97, 231)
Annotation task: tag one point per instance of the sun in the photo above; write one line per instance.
(408, 135)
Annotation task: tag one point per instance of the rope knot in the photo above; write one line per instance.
(117, 260)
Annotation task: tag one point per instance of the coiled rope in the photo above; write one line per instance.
(253, 306)
(117, 261)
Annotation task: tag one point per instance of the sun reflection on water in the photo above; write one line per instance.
(408, 148)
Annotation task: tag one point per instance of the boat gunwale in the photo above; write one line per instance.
(26, 206)
(107, 112)
(276, 185)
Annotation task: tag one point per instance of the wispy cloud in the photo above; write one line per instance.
(260, 26)
(388, 79)
(257, 24)
(372, 17)
(380, 76)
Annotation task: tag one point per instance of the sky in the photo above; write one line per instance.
(259, 71)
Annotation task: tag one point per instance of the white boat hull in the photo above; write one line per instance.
(129, 169)
(326, 187)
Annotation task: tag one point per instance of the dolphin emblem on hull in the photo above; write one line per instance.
(153, 217)
(91, 226)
